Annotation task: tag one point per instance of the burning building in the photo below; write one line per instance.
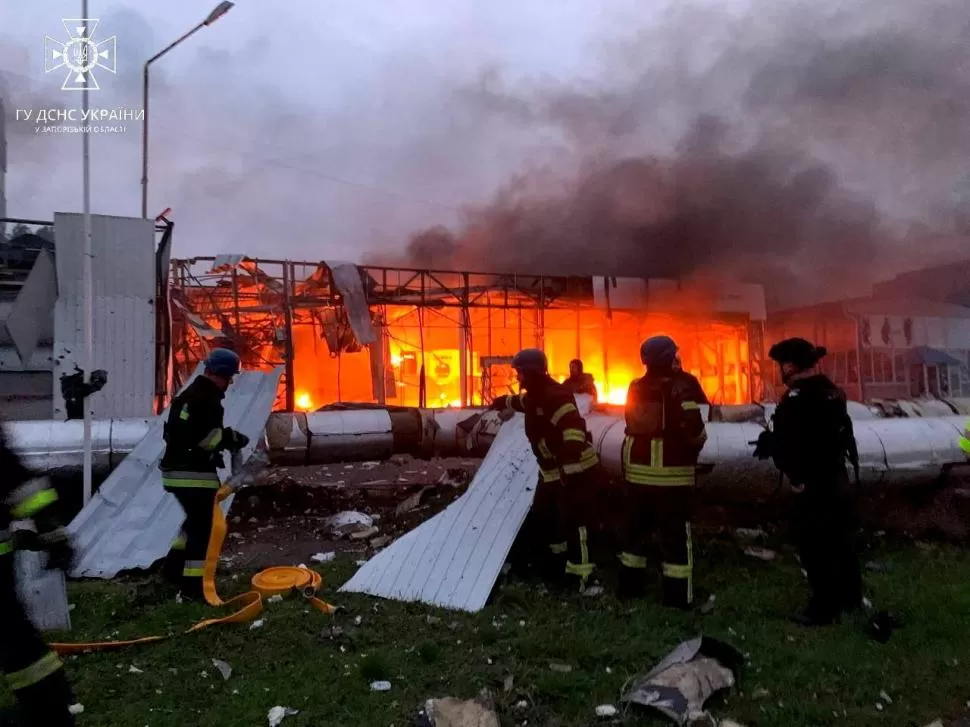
(409, 337)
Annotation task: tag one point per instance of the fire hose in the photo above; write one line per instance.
(270, 582)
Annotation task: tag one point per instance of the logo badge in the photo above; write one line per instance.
(80, 55)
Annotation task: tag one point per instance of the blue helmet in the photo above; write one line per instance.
(222, 362)
(658, 351)
(530, 360)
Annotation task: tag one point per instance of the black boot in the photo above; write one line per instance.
(47, 703)
(631, 583)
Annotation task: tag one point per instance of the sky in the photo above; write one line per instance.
(338, 130)
(306, 129)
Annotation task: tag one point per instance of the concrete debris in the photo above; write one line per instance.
(412, 502)
(750, 533)
(277, 714)
(223, 668)
(605, 710)
(365, 534)
(561, 668)
(885, 697)
(275, 599)
(936, 723)
(455, 477)
(257, 624)
(760, 693)
(381, 686)
(350, 521)
(323, 557)
(134, 670)
(79, 709)
(451, 712)
(381, 541)
(593, 591)
(680, 684)
(764, 554)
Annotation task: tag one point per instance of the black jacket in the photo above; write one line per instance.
(195, 436)
(13, 476)
(812, 434)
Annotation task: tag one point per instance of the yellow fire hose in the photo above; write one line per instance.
(266, 583)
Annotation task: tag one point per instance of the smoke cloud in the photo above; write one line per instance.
(806, 146)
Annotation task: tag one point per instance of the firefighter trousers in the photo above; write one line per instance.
(34, 673)
(186, 559)
(825, 523)
(564, 513)
(658, 524)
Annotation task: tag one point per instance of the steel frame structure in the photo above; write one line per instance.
(257, 303)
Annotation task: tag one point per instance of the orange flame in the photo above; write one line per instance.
(303, 401)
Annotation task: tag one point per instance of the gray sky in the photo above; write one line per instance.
(299, 128)
(312, 130)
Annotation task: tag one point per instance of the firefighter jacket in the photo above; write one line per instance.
(195, 437)
(556, 430)
(665, 430)
(581, 384)
(965, 441)
(23, 496)
(812, 433)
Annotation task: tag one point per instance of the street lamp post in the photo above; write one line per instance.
(217, 12)
(87, 277)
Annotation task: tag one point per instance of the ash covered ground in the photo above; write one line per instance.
(285, 518)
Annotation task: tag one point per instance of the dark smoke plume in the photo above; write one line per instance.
(810, 148)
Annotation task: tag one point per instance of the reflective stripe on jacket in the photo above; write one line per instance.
(556, 430)
(665, 430)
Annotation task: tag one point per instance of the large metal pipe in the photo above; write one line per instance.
(890, 449)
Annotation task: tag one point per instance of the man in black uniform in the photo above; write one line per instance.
(34, 672)
(665, 434)
(810, 440)
(195, 439)
(569, 468)
(580, 382)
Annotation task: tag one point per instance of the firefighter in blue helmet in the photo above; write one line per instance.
(568, 466)
(810, 441)
(34, 673)
(195, 439)
(664, 436)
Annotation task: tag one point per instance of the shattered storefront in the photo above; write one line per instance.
(393, 336)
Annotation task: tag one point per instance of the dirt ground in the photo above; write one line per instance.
(284, 518)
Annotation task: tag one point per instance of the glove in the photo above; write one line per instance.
(499, 403)
(60, 551)
(763, 447)
(234, 440)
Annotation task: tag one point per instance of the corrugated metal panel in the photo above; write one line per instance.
(131, 521)
(346, 276)
(30, 319)
(43, 592)
(124, 312)
(454, 559)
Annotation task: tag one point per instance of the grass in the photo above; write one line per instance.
(323, 666)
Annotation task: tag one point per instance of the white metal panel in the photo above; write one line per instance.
(131, 521)
(346, 276)
(454, 559)
(124, 311)
(29, 321)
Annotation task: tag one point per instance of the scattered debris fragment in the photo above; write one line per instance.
(508, 683)
(708, 605)
(323, 557)
(877, 567)
(223, 668)
(381, 541)
(277, 714)
(275, 599)
(728, 722)
(885, 697)
(680, 684)
(134, 670)
(750, 533)
(79, 709)
(381, 686)
(349, 521)
(760, 693)
(412, 502)
(365, 534)
(451, 712)
(760, 553)
(561, 668)
(593, 591)
(257, 624)
(455, 477)
(936, 723)
(606, 710)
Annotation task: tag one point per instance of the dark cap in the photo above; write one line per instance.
(797, 351)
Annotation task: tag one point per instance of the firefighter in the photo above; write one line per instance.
(195, 439)
(34, 672)
(664, 436)
(580, 382)
(810, 441)
(965, 441)
(568, 467)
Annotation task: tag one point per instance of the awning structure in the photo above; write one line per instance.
(926, 356)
